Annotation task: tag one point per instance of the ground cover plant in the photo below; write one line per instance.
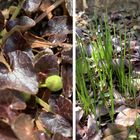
(107, 79)
(35, 70)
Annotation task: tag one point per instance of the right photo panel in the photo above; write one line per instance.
(107, 69)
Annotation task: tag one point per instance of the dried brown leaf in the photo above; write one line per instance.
(56, 124)
(22, 76)
(127, 117)
(60, 104)
(115, 132)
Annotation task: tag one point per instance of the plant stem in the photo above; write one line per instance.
(43, 104)
(16, 12)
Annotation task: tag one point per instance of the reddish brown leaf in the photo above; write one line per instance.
(56, 124)
(67, 56)
(22, 76)
(23, 23)
(47, 64)
(67, 79)
(60, 104)
(16, 42)
(58, 28)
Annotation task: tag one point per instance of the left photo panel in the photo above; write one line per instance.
(36, 94)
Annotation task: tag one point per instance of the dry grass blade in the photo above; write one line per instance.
(52, 7)
(37, 42)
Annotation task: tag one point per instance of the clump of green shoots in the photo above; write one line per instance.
(99, 73)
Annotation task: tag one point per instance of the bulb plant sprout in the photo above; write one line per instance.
(101, 78)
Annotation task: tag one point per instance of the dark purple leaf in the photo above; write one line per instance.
(1, 21)
(59, 137)
(23, 23)
(31, 5)
(58, 28)
(67, 56)
(6, 132)
(22, 76)
(3, 68)
(23, 127)
(57, 38)
(16, 42)
(66, 72)
(10, 101)
(47, 64)
(60, 104)
(56, 124)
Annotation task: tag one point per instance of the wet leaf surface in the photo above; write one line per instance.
(22, 77)
(16, 42)
(60, 104)
(67, 72)
(56, 124)
(23, 23)
(67, 78)
(47, 64)
(67, 56)
(31, 5)
(58, 28)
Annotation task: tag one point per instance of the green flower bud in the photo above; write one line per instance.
(54, 83)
